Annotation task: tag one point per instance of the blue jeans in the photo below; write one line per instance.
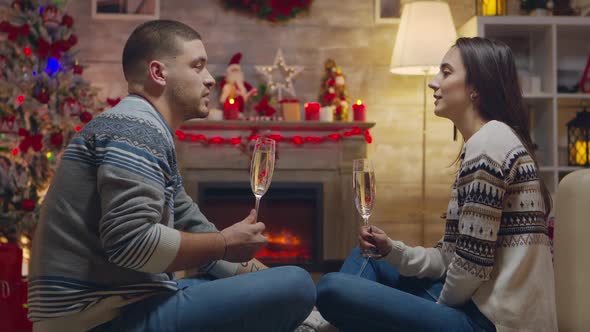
(382, 300)
(276, 299)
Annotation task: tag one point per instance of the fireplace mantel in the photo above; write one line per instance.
(197, 125)
(328, 163)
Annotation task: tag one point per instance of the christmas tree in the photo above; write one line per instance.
(333, 91)
(43, 101)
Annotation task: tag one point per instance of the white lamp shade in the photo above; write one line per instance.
(425, 34)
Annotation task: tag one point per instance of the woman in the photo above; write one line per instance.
(493, 268)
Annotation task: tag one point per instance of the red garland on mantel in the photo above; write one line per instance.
(297, 139)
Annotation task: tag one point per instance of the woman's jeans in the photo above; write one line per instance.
(382, 300)
(276, 299)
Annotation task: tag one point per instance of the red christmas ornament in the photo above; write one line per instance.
(14, 31)
(8, 120)
(71, 101)
(62, 45)
(28, 205)
(17, 4)
(42, 97)
(50, 16)
(30, 141)
(49, 10)
(73, 40)
(329, 97)
(67, 21)
(27, 51)
(85, 117)
(78, 70)
(57, 140)
(45, 49)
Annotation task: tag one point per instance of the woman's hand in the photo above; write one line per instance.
(373, 238)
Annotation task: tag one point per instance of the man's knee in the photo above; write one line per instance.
(297, 283)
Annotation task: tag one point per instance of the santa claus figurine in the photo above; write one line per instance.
(233, 85)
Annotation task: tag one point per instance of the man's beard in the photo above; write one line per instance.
(189, 106)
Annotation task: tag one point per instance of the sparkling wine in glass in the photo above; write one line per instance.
(363, 184)
(262, 167)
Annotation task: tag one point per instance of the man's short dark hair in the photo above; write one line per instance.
(151, 40)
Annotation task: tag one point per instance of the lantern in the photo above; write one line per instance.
(490, 7)
(578, 139)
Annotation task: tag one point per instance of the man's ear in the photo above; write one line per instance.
(157, 72)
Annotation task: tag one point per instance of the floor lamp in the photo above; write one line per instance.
(426, 32)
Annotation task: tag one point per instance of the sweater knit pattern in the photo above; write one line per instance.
(109, 224)
(495, 249)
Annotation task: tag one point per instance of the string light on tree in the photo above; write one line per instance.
(40, 77)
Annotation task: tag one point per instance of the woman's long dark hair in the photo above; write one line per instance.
(491, 71)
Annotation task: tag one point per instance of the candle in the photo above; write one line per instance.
(291, 109)
(230, 109)
(493, 7)
(327, 113)
(359, 111)
(581, 153)
(215, 114)
(312, 111)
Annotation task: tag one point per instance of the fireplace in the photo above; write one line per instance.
(292, 213)
(309, 208)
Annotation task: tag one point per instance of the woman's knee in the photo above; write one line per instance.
(331, 287)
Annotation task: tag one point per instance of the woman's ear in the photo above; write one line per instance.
(473, 95)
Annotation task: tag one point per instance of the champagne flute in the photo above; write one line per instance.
(262, 167)
(363, 184)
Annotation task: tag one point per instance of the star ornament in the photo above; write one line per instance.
(279, 77)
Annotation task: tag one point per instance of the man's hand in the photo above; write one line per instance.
(243, 239)
(373, 238)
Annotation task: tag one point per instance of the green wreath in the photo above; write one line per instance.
(271, 10)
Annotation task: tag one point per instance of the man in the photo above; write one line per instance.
(117, 222)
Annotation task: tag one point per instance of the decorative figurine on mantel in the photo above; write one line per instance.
(235, 91)
(279, 79)
(333, 91)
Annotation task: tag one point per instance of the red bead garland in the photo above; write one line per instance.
(297, 140)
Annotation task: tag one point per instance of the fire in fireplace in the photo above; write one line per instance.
(292, 213)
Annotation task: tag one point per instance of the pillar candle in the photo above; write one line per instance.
(230, 109)
(327, 113)
(581, 153)
(312, 111)
(359, 111)
(215, 114)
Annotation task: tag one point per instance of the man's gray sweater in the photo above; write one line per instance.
(110, 221)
